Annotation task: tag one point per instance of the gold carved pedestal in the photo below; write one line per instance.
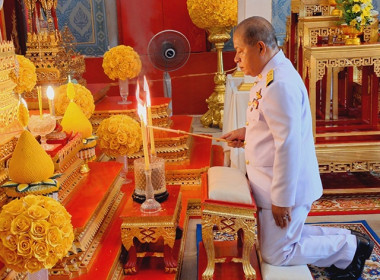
(149, 229)
(228, 217)
(214, 115)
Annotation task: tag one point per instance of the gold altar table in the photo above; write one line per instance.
(148, 228)
(352, 146)
(318, 60)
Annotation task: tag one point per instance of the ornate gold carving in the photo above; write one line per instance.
(308, 8)
(8, 101)
(67, 153)
(357, 157)
(344, 62)
(228, 219)
(214, 116)
(6, 151)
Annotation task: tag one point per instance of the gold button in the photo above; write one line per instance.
(259, 76)
(254, 83)
(247, 123)
(247, 162)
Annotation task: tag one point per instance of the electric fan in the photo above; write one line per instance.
(168, 50)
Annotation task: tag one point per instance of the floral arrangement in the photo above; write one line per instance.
(24, 76)
(356, 13)
(121, 62)
(119, 135)
(35, 233)
(211, 13)
(83, 98)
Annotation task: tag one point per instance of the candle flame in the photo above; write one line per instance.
(141, 109)
(147, 91)
(50, 92)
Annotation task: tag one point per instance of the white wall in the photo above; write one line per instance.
(248, 8)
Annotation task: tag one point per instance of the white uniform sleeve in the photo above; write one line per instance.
(282, 111)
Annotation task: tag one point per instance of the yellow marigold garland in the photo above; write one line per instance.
(121, 62)
(24, 76)
(83, 98)
(213, 13)
(119, 135)
(35, 232)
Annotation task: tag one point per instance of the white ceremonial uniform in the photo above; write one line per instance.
(283, 170)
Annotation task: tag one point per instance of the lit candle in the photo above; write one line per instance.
(39, 95)
(141, 110)
(148, 104)
(50, 96)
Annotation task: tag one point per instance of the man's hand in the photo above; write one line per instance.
(281, 215)
(236, 137)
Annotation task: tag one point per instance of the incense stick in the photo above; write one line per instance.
(187, 133)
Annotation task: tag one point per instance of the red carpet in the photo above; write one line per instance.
(347, 180)
(348, 204)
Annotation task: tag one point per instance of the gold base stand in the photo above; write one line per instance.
(214, 115)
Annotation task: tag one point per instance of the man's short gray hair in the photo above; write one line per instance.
(255, 29)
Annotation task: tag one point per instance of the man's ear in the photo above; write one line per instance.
(262, 47)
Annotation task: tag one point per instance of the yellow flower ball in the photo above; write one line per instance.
(37, 236)
(24, 76)
(210, 13)
(83, 98)
(121, 62)
(115, 134)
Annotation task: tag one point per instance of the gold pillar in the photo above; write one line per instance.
(214, 115)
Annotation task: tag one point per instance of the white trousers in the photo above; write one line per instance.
(299, 244)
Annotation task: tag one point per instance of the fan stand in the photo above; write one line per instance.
(168, 89)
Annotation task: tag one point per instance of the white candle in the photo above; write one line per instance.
(50, 96)
(141, 110)
(148, 104)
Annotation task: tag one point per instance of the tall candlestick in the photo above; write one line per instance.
(150, 123)
(142, 114)
(50, 95)
(39, 96)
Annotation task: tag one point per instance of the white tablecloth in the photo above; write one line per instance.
(235, 106)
